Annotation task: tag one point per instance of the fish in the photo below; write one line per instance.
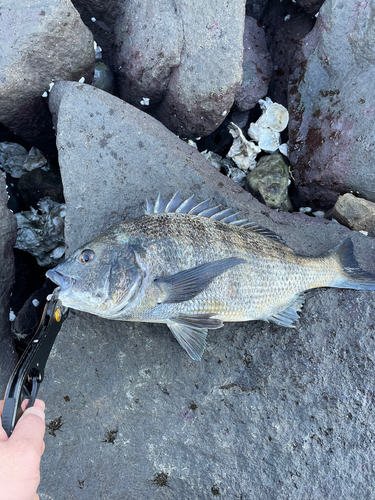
(194, 267)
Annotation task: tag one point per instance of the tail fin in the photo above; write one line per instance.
(353, 277)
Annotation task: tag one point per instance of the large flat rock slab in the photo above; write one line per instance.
(269, 413)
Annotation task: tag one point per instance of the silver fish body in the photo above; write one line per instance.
(193, 267)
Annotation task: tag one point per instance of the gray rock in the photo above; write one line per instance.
(8, 231)
(356, 213)
(330, 102)
(201, 89)
(257, 67)
(41, 42)
(150, 40)
(269, 182)
(268, 414)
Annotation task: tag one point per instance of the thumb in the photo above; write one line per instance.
(30, 427)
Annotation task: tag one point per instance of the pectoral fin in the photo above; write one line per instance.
(191, 332)
(288, 316)
(185, 285)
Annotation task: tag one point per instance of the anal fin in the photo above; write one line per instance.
(191, 332)
(288, 316)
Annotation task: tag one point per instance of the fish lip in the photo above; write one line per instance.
(63, 281)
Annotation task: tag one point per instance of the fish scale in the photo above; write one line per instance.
(193, 268)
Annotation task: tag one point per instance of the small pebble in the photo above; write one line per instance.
(35, 302)
(81, 80)
(319, 213)
(93, 19)
(305, 210)
(12, 316)
(145, 101)
(364, 232)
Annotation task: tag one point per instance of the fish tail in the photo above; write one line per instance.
(351, 276)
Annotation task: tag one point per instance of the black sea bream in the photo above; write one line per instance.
(193, 268)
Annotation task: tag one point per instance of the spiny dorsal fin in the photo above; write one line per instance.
(192, 207)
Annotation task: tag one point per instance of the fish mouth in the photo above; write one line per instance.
(63, 281)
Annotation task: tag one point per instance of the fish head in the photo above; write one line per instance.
(101, 278)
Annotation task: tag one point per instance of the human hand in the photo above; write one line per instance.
(21, 453)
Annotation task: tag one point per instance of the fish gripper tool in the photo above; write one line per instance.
(28, 374)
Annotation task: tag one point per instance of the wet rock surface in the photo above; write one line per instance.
(8, 230)
(269, 182)
(269, 413)
(331, 95)
(41, 43)
(356, 213)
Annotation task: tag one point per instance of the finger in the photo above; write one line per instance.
(38, 403)
(31, 428)
(36, 497)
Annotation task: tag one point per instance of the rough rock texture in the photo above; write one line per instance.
(40, 42)
(269, 413)
(257, 67)
(311, 6)
(150, 38)
(331, 99)
(201, 89)
(8, 232)
(269, 182)
(356, 213)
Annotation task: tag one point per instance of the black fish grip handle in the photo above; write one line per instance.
(27, 376)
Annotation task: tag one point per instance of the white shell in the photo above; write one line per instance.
(242, 152)
(283, 148)
(268, 140)
(277, 117)
(266, 130)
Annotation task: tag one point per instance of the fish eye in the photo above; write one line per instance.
(86, 256)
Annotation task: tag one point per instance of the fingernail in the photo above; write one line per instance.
(34, 410)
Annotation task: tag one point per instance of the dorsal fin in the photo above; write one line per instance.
(192, 207)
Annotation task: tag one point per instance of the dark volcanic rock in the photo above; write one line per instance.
(270, 413)
(257, 67)
(8, 232)
(37, 184)
(41, 43)
(331, 98)
(285, 24)
(256, 8)
(311, 6)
